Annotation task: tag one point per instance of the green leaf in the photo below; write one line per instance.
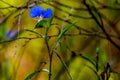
(65, 66)
(92, 69)
(34, 73)
(31, 75)
(2, 30)
(40, 24)
(87, 58)
(65, 30)
(50, 21)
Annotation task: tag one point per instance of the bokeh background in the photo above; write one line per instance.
(23, 52)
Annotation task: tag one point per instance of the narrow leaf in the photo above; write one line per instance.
(35, 72)
(2, 31)
(50, 21)
(92, 69)
(87, 58)
(65, 30)
(31, 75)
(66, 68)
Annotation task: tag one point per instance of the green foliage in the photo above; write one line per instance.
(65, 30)
(87, 58)
(50, 21)
(40, 24)
(89, 49)
(2, 31)
(32, 74)
(65, 66)
(43, 23)
(35, 73)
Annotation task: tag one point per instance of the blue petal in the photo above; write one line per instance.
(36, 11)
(47, 13)
(10, 34)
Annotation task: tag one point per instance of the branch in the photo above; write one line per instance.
(101, 26)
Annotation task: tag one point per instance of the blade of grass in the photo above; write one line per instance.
(34, 73)
(88, 59)
(41, 35)
(65, 66)
(65, 30)
(94, 71)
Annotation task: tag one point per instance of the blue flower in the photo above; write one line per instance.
(47, 13)
(38, 11)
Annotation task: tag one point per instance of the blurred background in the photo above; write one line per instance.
(90, 49)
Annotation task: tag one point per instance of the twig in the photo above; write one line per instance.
(50, 36)
(101, 26)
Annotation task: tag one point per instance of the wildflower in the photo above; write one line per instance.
(47, 13)
(10, 34)
(38, 11)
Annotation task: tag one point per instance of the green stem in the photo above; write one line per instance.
(50, 67)
(49, 53)
(35, 33)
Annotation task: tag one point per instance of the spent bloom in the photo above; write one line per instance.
(10, 34)
(38, 11)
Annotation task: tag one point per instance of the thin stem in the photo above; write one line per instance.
(42, 36)
(65, 66)
(49, 53)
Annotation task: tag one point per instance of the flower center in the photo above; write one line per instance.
(40, 18)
